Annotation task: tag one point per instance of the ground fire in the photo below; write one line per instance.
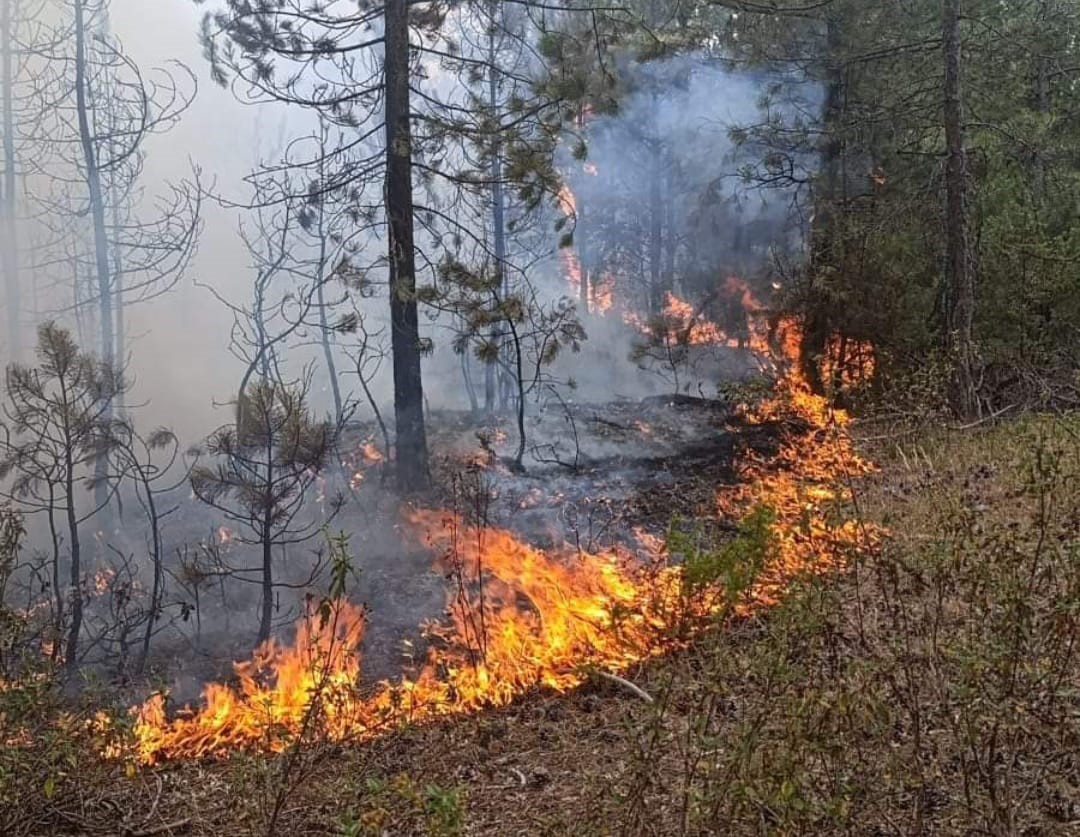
(520, 617)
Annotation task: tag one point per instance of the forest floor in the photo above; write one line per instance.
(930, 687)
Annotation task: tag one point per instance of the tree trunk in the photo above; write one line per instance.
(959, 273)
(118, 289)
(266, 620)
(159, 575)
(97, 214)
(411, 441)
(584, 261)
(324, 324)
(656, 225)
(671, 241)
(9, 255)
(824, 236)
(581, 233)
(1042, 107)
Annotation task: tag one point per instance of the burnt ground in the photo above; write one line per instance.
(546, 764)
(628, 470)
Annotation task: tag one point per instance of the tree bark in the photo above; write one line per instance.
(266, 619)
(71, 652)
(959, 272)
(411, 441)
(824, 236)
(324, 321)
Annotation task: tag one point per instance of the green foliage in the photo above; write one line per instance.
(732, 566)
(399, 804)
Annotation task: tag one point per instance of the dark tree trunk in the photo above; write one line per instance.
(411, 441)
(581, 238)
(9, 258)
(959, 272)
(266, 620)
(118, 289)
(71, 654)
(159, 576)
(824, 237)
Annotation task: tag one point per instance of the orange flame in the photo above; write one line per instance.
(322, 660)
(519, 617)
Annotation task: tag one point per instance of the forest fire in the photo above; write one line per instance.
(519, 617)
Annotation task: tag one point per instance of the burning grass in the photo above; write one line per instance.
(520, 617)
(927, 685)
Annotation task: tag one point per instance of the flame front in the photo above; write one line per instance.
(270, 703)
(519, 617)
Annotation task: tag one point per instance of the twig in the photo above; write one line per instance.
(988, 418)
(608, 423)
(521, 781)
(157, 800)
(626, 684)
(160, 829)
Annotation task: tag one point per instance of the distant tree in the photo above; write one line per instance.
(266, 463)
(56, 427)
(97, 112)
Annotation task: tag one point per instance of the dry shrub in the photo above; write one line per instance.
(932, 689)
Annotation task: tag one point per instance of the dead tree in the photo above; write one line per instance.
(99, 110)
(149, 466)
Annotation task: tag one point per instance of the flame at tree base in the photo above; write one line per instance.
(522, 618)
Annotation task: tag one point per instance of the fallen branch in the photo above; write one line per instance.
(160, 829)
(988, 418)
(626, 684)
(608, 423)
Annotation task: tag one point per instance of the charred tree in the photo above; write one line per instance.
(411, 440)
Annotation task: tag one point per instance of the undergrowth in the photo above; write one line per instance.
(932, 689)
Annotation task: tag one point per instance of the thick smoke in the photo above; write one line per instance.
(667, 152)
